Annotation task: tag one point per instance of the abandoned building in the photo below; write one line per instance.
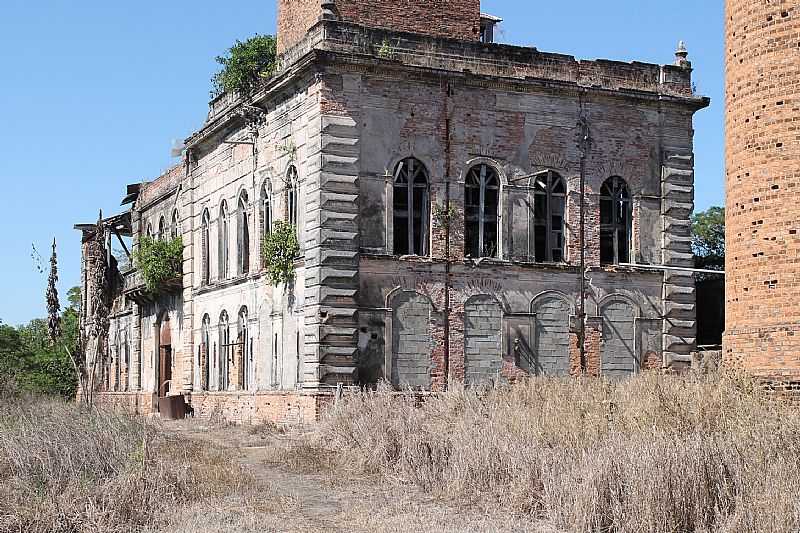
(435, 180)
(762, 324)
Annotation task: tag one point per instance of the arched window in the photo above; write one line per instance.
(149, 231)
(242, 342)
(205, 247)
(223, 244)
(266, 212)
(205, 353)
(549, 205)
(242, 236)
(481, 209)
(615, 222)
(224, 334)
(411, 208)
(291, 196)
(162, 228)
(173, 229)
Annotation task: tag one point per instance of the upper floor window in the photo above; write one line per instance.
(291, 196)
(223, 251)
(549, 206)
(205, 245)
(174, 229)
(411, 208)
(162, 228)
(481, 211)
(615, 221)
(242, 235)
(265, 211)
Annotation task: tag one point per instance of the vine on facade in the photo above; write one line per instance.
(442, 214)
(279, 249)
(159, 261)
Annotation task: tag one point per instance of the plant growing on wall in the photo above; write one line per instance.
(159, 261)
(245, 65)
(443, 214)
(279, 249)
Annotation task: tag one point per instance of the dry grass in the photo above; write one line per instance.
(64, 469)
(653, 454)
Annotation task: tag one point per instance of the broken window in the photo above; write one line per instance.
(205, 244)
(224, 350)
(149, 230)
(266, 215)
(173, 230)
(241, 348)
(411, 208)
(549, 206)
(205, 353)
(223, 242)
(162, 228)
(242, 236)
(615, 221)
(291, 196)
(481, 210)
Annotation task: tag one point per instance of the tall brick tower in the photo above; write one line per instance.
(763, 175)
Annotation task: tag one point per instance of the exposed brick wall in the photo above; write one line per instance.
(290, 408)
(457, 19)
(168, 181)
(762, 173)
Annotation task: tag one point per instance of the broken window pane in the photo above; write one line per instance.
(549, 205)
(411, 208)
(481, 208)
(615, 221)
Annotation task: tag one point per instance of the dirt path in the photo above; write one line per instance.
(298, 500)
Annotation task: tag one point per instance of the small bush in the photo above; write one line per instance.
(245, 66)
(279, 249)
(159, 261)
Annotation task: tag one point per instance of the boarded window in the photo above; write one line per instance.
(483, 359)
(411, 341)
(619, 357)
(411, 208)
(615, 222)
(551, 337)
(481, 212)
(242, 236)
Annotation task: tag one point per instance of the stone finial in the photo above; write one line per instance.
(329, 9)
(681, 55)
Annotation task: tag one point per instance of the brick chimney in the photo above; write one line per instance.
(455, 19)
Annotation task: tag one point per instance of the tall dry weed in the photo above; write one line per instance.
(654, 453)
(72, 470)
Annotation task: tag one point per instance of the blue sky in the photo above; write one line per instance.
(92, 93)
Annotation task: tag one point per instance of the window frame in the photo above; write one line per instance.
(482, 219)
(223, 241)
(416, 170)
(553, 180)
(620, 198)
(242, 236)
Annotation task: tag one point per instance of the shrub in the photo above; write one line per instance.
(279, 249)
(159, 261)
(245, 65)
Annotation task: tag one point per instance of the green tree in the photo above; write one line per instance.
(246, 65)
(708, 238)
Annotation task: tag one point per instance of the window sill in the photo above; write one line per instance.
(230, 282)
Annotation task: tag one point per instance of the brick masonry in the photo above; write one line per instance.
(762, 175)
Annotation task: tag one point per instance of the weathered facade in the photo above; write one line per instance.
(435, 181)
(762, 325)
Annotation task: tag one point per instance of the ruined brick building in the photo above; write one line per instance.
(435, 180)
(763, 171)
